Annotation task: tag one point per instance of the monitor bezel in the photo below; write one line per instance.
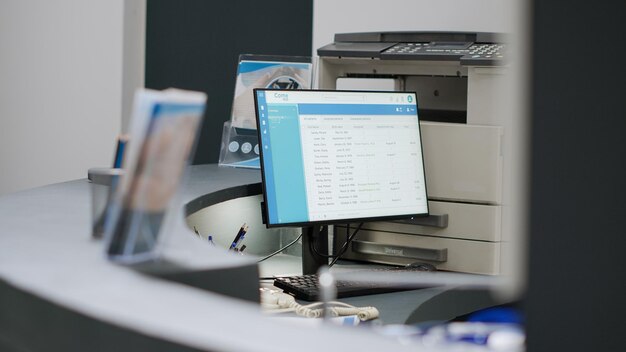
(265, 204)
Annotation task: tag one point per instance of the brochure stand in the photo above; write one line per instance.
(163, 134)
(240, 147)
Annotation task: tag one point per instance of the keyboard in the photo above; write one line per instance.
(305, 287)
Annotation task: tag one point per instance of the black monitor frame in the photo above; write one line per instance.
(315, 233)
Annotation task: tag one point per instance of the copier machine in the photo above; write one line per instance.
(470, 139)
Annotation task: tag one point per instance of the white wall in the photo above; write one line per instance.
(61, 84)
(134, 62)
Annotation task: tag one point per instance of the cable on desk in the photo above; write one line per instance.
(343, 248)
(314, 249)
(277, 302)
(345, 245)
(268, 278)
(280, 250)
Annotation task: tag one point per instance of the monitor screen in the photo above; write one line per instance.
(339, 156)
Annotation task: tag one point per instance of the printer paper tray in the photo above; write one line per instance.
(468, 256)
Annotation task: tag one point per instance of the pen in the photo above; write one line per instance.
(238, 237)
(119, 152)
(240, 240)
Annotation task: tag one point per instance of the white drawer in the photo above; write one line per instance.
(463, 162)
(465, 221)
(391, 248)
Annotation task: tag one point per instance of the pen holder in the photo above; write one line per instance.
(103, 182)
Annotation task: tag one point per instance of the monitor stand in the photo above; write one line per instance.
(314, 236)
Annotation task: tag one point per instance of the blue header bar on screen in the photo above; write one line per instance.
(357, 109)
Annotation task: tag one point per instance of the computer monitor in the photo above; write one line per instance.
(338, 157)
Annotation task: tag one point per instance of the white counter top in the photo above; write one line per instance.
(46, 251)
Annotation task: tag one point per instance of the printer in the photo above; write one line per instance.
(471, 140)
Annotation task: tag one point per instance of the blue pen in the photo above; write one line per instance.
(119, 152)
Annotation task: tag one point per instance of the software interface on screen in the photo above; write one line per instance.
(335, 155)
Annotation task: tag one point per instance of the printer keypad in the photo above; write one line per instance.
(478, 51)
(477, 54)
(422, 51)
(405, 48)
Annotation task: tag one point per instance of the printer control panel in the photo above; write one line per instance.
(484, 54)
(469, 49)
(422, 51)
(470, 54)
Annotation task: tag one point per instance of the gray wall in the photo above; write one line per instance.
(201, 51)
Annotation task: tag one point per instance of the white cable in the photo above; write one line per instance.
(278, 302)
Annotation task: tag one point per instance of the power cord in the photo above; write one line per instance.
(280, 250)
(335, 257)
(343, 249)
(276, 302)
(314, 249)
(345, 245)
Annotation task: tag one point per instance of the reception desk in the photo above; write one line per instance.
(58, 292)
